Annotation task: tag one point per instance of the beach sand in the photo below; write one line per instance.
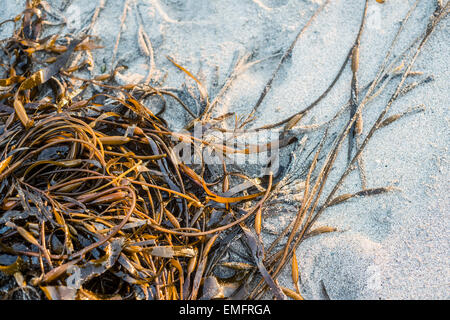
(390, 246)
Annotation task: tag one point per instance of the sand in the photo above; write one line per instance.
(392, 246)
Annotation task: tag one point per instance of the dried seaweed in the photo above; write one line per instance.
(310, 210)
(95, 204)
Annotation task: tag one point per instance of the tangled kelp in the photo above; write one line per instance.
(96, 205)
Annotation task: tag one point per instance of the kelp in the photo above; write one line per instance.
(316, 177)
(95, 204)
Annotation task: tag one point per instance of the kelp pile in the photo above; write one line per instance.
(95, 203)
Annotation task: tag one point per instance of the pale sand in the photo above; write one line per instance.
(393, 246)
